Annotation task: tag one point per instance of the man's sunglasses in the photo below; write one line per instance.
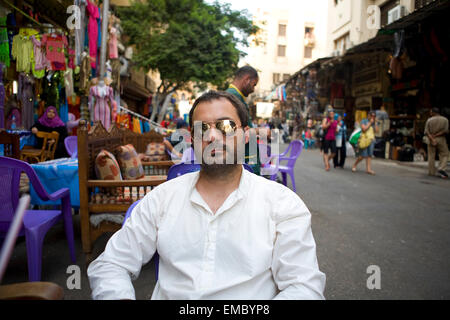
(226, 127)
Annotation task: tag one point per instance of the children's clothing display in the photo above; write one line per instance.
(55, 45)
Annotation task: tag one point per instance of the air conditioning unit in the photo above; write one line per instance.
(396, 13)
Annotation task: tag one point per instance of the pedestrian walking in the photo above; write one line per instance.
(329, 126)
(436, 129)
(366, 142)
(341, 149)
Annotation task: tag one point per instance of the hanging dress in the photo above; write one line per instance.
(102, 104)
(92, 32)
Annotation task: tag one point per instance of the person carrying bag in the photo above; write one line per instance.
(366, 143)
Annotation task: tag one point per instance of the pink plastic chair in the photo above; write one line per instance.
(36, 223)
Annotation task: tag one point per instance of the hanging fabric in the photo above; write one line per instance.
(55, 45)
(79, 33)
(64, 112)
(92, 31)
(26, 96)
(4, 42)
(136, 125)
(2, 98)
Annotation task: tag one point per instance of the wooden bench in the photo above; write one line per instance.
(97, 196)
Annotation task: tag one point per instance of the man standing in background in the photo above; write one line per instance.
(244, 83)
(436, 128)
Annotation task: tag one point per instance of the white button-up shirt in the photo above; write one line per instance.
(258, 245)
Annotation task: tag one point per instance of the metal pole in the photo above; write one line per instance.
(104, 38)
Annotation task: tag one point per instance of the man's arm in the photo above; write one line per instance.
(295, 268)
(128, 249)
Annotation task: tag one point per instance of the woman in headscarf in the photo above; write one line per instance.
(48, 122)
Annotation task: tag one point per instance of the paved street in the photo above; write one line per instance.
(398, 220)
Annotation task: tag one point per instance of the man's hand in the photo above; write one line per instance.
(34, 130)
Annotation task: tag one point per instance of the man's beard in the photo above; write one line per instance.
(222, 169)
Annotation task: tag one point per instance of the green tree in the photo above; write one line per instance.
(186, 41)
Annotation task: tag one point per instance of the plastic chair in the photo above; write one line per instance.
(71, 143)
(290, 155)
(23, 290)
(269, 163)
(36, 223)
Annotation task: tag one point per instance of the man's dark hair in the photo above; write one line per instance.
(435, 110)
(247, 70)
(216, 95)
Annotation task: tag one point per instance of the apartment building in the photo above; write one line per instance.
(291, 38)
(354, 22)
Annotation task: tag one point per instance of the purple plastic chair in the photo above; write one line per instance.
(269, 163)
(290, 155)
(36, 223)
(71, 143)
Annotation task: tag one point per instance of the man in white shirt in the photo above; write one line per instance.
(221, 233)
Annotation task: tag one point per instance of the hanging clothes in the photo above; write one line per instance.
(64, 112)
(113, 51)
(22, 52)
(55, 45)
(4, 42)
(85, 72)
(74, 103)
(136, 125)
(146, 126)
(11, 21)
(40, 59)
(99, 27)
(123, 120)
(68, 82)
(79, 33)
(101, 104)
(50, 92)
(84, 107)
(2, 97)
(25, 95)
(71, 63)
(92, 32)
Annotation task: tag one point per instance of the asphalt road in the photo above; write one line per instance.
(397, 220)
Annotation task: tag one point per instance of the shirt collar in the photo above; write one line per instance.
(233, 198)
(239, 91)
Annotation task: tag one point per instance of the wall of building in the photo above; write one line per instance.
(357, 19)
(265, 56)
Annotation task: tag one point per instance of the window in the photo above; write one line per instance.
(281, 51)
(342, 44)
(276, 78)
(282, 30)
(308, 52)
